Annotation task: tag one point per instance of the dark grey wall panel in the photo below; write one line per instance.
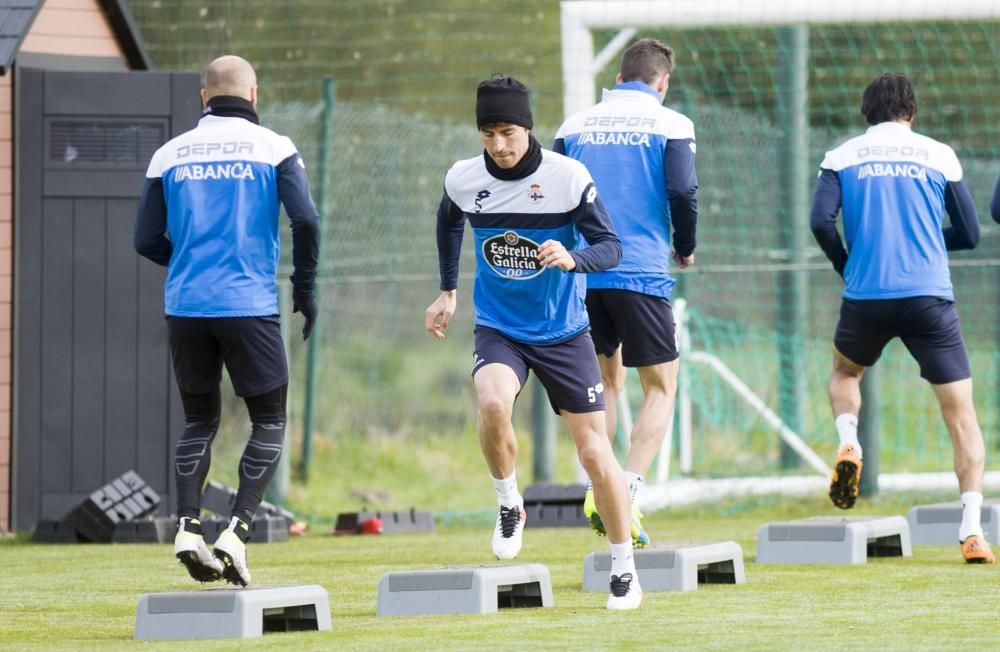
(57, 345)
(121, 339)
(185, 98)
(152, 438)
(105, 94)
(57, 504)
(27, 386)
(89, 245)
(93, 183)
(94, 394)
(69, 62)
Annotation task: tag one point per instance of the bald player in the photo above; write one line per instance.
(209, 213)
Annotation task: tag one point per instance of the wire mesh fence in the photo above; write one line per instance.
(405, 75)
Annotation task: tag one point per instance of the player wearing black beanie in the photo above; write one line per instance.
(503, 99)
(538, 225)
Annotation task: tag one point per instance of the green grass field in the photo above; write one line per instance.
(84, 596)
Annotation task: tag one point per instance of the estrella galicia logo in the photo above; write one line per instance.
(512, 256)
(480, 196)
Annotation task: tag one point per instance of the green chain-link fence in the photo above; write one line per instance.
(405, 75)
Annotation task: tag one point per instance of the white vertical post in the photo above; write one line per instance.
(666, 450)
(683, 396)
(579, 88)
(625, 417)
(611, 50)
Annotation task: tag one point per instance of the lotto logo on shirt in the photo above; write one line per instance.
(512, 256)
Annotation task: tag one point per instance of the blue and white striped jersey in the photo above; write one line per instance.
(219, 186)
(642, 157)
(894, 187)
(510, 219)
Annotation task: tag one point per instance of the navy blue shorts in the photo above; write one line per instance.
(250, 347)
(568, 370)
(643, 325)
(928, 326)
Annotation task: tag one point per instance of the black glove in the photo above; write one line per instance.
(840, 268)
(305, 302)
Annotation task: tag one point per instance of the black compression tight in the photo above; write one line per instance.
(260, 457)
(193, 455)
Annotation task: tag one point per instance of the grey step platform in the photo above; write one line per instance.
(159, 529)
(555, 505)
(463, 590)
(673, 567)
(221, 499)
(232, 613)
(833, 540)
(937, 525)
(125, 498)
(263, 529)
(392, 522)
(53, 531)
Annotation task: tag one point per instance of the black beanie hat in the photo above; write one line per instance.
(502, 99)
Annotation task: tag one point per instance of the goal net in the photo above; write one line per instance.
(771, 85)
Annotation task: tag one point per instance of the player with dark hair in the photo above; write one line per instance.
(209, 213)
(894, 187)
(530, 210)
(641, 155)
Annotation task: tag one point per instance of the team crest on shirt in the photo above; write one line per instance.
(512, 256)
(535, 193)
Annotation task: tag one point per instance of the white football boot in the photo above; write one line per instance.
(231, 550)
(507, 535)
(625, 592)
(190, 549)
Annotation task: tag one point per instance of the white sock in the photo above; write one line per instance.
(507, 493)
(972, 504)
(622, 560)
(635, 483)
(847, 428)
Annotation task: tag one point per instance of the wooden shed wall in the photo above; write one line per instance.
(76, 28)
